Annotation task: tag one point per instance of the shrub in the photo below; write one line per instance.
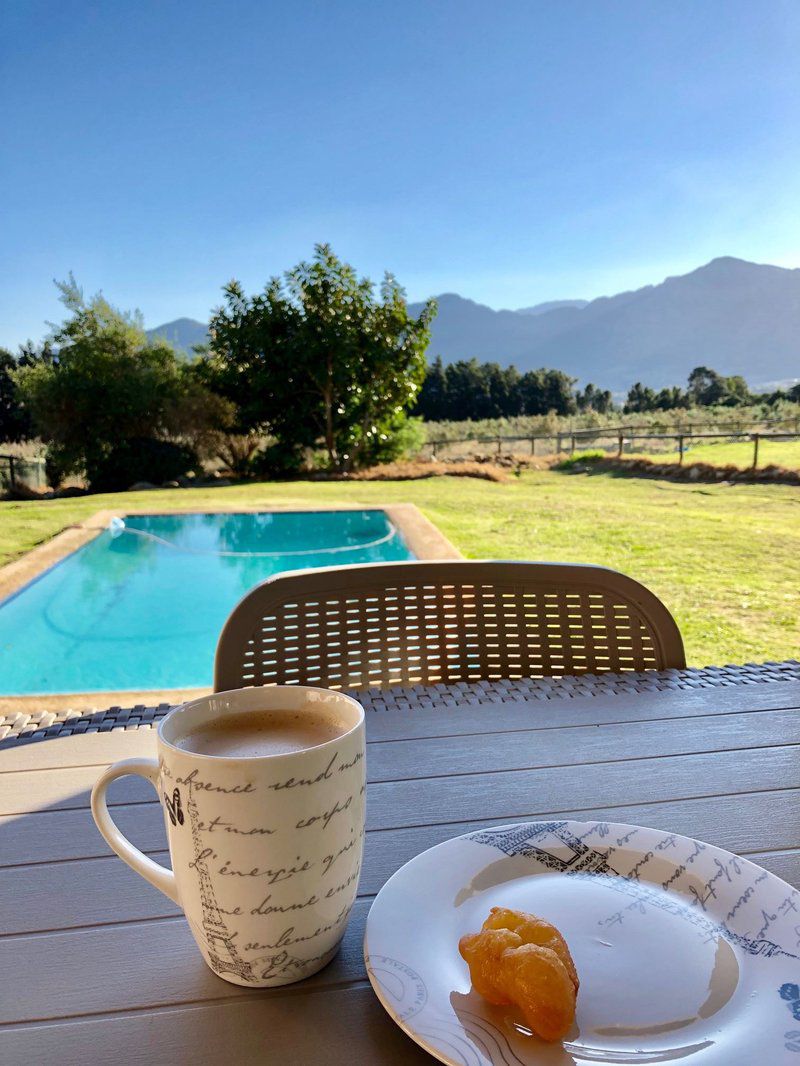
(279, 460)
(56, 467)
(581, 459)
(404, 438)
(140, 459)
(238, 451)
(106, 387)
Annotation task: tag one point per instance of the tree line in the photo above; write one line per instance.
(468, 389)
(319, 364)
(318, 360)
(705, 388)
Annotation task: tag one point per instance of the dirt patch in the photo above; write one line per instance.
(417, 470)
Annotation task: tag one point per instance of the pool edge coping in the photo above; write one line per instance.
(421, 536)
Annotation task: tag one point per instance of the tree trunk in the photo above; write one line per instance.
(366, 422)
(328, 400)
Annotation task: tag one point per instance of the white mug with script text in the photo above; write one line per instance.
(266, 851)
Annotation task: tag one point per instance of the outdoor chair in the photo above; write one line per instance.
(411, 623)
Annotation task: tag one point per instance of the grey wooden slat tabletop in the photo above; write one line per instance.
(98, 966)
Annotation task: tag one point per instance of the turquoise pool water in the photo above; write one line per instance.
(143, 609)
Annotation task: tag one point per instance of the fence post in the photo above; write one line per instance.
(433, 449)
(533, 445)
(755, 450)
(619, 449)
(572, 444)
(680, 451)
(558, 445)
(499, 445)
(11, 478)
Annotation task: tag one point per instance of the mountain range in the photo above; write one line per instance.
(735, 316)
(183, 333)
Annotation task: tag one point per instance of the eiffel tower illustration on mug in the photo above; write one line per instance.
(222, 953)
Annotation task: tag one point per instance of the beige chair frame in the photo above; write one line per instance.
(404, 623)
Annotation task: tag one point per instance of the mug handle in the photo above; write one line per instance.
(160, 876)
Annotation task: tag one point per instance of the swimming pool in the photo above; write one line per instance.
(141, 608)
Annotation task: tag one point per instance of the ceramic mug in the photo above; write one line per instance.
(265, 851)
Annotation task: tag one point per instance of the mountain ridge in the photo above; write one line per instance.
(183, 333)
(736, 316)
(550, 305)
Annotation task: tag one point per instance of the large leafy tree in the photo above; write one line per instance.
(318, 357)
(107, 389)
(14, 419)
(708, 388)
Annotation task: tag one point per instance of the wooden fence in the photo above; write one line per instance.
(619, 440)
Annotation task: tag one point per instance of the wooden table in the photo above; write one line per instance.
(99, 967)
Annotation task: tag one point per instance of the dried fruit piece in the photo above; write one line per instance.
(521, 959)
(533, 930)
(482, 952)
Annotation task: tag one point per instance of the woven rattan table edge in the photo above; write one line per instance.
(25, 727)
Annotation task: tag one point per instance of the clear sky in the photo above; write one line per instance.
(513, 151)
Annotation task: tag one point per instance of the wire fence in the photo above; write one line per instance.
(617, 441)
(655, 426)
(16, 473)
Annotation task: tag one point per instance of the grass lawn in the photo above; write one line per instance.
(724, 558)
(780, 452)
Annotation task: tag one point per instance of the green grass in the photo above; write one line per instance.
(724, 558)
(784, 453)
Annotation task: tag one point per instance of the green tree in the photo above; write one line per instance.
(432, 403)
(707, 388)
(15, 418)
(468, 392)
(737, 391)
(317, 357)
(504, 391)
(107, 390)
(545, 390)
(640, 398)
(594, 399)
(668, 399)
(15, 424)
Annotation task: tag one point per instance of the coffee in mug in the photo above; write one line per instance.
(263, 797)
(251, 734)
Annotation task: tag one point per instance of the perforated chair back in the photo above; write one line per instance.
(425, 622)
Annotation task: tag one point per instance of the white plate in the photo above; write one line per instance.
(684, 951)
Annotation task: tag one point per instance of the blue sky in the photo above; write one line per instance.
(510, 151)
